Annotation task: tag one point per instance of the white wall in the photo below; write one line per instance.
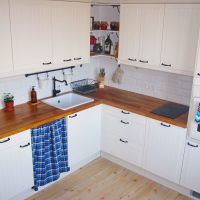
(163, 85)
(20, 86)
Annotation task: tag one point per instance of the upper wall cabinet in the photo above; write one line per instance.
(6, 64)
(141, 34)
(180, 36)
(71, 25)
(162, 37)
(129, 33)
(31, 34)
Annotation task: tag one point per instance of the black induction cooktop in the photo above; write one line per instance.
(171, 110)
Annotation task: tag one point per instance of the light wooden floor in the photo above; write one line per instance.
(104, 180)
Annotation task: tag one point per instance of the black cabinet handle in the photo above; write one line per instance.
(192, 145)
(165, 125)
(5, 140)
(198, 74)
(143, 61)
(49, 63)
(72, 116)
(67, 60)
(124, 122)
(26, 145)
(163, 64)
(132, 59)
(126, 113)
(77, 58)
(124, 141)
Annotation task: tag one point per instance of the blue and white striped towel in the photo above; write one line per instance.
(50, 154)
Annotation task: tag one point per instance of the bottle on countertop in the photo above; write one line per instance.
(108, 44)
(33, 95)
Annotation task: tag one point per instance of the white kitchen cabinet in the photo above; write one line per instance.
(141, 34)
(164, 149)
(129, 34)
(16, 167)
(70, 25)
(6, 64)
(180, 36)
(81, 34)
(84, 132)
(151, 34)
(190, 173)
(31, 34)
(123, 134)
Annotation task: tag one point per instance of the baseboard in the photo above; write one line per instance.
(147, 174)
(74, 168)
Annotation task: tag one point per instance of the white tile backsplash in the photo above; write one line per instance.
(163, 85)
(20, 86)
(173, 87)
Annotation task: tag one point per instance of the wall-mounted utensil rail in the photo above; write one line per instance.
(47, 71)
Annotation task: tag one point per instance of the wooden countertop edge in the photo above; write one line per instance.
(50, 119)
(146, 114)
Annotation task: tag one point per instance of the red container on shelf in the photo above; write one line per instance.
(104, 26)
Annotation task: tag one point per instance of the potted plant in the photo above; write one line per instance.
(9, 102)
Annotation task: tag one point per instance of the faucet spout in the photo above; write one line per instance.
(55, 92)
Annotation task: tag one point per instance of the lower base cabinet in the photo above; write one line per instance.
(84, 132)
(190, 177)
(123, 134)
(164, 150)
(16, 168)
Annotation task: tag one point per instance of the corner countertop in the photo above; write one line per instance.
(27, 116)
(136, 103)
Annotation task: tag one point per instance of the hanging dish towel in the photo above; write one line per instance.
(50, 157)
(118, 75)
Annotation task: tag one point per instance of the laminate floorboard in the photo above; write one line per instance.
(104, 180)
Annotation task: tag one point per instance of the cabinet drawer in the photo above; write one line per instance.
(124, 114)
(121, 126)
(20, 138)
(123, 148)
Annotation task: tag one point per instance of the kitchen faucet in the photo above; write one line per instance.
(55, 92)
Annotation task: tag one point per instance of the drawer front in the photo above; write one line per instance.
(109, 110)
(123, 148)
(20, 138)
(122, 127)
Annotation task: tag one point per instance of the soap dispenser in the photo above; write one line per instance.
(33, 95)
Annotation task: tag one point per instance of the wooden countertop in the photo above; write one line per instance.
(137, 103)
(26, 116)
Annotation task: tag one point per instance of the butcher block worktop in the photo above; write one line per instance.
(26, 116)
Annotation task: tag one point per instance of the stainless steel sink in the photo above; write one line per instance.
(67, 101)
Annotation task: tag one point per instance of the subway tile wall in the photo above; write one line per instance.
(176, 88)
(168, 86)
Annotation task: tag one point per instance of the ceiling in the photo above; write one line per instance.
(135, 1)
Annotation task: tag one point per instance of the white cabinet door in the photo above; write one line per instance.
(129, 34)
(81, 33)
(84, 132)
(190, 173)
(62, 27)
(6, 64)
(151, 34)
(71, 33)
(180, 36)
(164, 149)
(31, 34)
(141, 34)
(16, 167)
